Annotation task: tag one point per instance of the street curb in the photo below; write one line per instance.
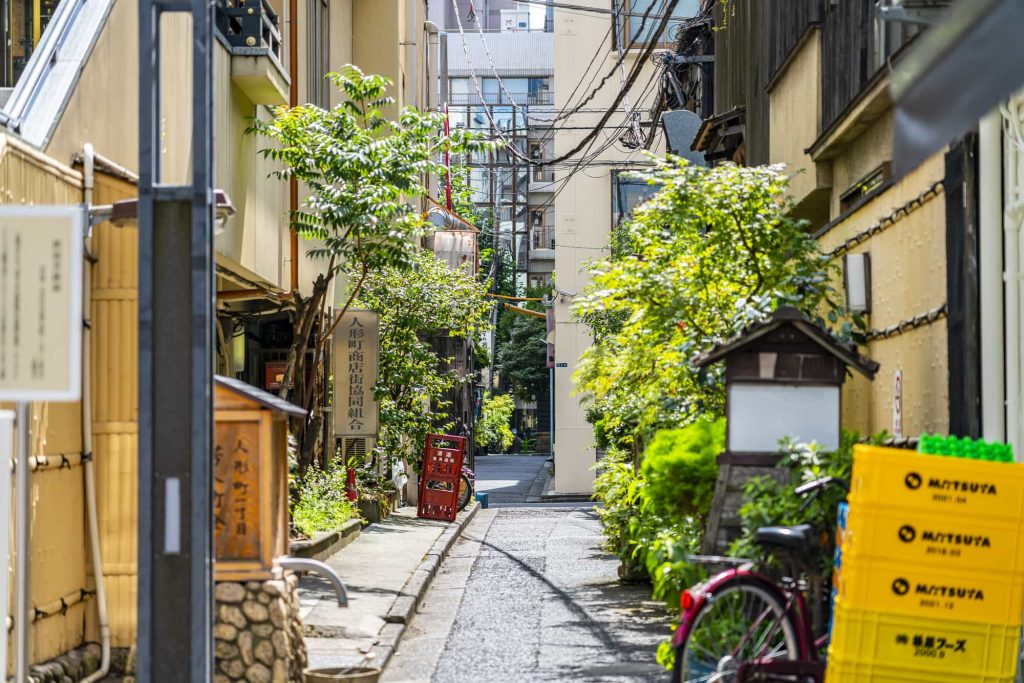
(415, 588)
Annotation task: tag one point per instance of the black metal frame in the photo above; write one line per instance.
(176, 366)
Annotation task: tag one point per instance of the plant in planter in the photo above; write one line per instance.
(377, 494)
(527, 444)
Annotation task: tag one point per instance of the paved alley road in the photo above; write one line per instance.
(527, 595)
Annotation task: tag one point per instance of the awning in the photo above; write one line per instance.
(958, 71)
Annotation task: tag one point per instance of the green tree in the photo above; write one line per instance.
(424, 299)
(363, 172)
(494, 430)
(521, 342)
(713, 250)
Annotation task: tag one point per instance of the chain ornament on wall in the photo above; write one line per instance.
(911, 324)
(898, 214)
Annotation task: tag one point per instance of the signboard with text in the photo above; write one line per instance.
(41, 303)
(356, 358)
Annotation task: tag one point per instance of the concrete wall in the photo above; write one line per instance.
(583, 212)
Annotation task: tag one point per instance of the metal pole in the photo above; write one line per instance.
(176, 362)
(23, 516)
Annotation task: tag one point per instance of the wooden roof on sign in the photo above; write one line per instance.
(789, 316)
(264, 398)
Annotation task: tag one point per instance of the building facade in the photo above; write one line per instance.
(592, 195)
(807, 85)
(69, 135)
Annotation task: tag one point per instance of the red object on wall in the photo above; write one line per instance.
(350, 484)
(439, 481)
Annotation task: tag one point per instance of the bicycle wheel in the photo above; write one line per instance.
(465, 492)
(739, 622)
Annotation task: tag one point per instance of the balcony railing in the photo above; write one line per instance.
(499, 99)
(250, 27)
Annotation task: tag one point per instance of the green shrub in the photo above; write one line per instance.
(322, 503)
(493, 429)
(680, 469)
(770, 503)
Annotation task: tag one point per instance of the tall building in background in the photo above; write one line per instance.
(501, 83)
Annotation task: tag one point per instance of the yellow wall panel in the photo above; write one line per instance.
(908, 278)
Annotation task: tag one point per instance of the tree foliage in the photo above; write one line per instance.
(494, 430)
(424, 299)
(362, 169)
(363, 173)
(711, 251)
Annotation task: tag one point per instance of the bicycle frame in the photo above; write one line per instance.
(807, 663)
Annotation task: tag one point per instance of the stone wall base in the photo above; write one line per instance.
(259, 631)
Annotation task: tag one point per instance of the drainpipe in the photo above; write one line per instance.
(90, 472)
(1013, 215)
(293, 101)
(990, 200)
(411, 35)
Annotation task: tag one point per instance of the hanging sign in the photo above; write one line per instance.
(356, 359)
(41, 303)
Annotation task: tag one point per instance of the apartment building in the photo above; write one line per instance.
(590, 198)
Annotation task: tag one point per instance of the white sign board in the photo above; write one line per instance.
(897, 404)
(356, 363)
(41, 303)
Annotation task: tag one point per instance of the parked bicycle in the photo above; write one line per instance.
(742, 626)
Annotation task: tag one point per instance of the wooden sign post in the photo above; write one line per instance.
(250, 489)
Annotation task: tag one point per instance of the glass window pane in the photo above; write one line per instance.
(686, 9)
(517, 87)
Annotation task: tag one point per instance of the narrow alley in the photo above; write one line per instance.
(527, 594)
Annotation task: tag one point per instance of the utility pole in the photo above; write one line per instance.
(176, 363)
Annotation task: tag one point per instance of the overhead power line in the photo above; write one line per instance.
(582, 8)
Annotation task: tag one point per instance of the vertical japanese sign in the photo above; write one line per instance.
(897, 404)
(236, 490)
(41, 303)
(356, 358)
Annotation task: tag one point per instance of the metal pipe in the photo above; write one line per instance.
(22, 584)
(302, 564)
(293, 101)
(990, 172)
(90, 472)
(1012, 216)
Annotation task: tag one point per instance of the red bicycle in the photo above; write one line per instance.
(742, 626)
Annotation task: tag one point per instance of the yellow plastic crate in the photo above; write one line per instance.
(843, 671)
(921, 591)
(961, 542)
(959, 650)
(936, 484)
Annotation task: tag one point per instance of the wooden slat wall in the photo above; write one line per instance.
(848, 37)
(753, 40)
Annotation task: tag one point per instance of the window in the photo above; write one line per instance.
(318, 60)
(22, 23)
(542, 227)
(627, 194)
(540, 150)
(635, 32)
(517, 88)
(865, 186)
(540, 91)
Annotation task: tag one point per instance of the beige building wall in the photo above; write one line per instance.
(907, 257)
(583, 213)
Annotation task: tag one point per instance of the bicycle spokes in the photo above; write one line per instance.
(734, 628)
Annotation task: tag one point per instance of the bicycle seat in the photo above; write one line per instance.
(800, 538)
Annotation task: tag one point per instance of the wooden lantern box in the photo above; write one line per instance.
(783, 378)
(250, 494)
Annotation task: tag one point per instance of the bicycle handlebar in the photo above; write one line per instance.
(819, 485)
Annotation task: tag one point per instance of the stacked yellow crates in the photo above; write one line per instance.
(930, 587)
